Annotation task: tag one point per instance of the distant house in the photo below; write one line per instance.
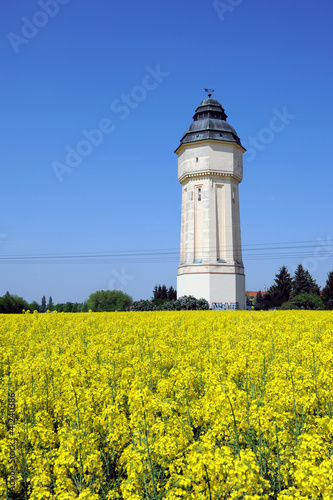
(251, 296)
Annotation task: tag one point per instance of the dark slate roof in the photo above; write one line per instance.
(210, 122)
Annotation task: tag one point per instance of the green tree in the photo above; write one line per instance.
(259, 302)
(84, 307)
(164, 292)
(43, 305)
(12, 305)
(50, 305)
(59, 307)
(327, 293)
(109, 300)
(172, 293)
(20, 304)
(308, 301)
(312, 285)
(248, 299)
(68, 307)
(155, 293)
(34, 306)
(280, 291)
(303, 283)
(300, 283)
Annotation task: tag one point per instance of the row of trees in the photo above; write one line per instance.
(109, 300)
(42, 307)
(10, 304)
(163, 298)
(298, 292)
(163, 293)
(72, 307)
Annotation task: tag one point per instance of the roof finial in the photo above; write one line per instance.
(209, 92)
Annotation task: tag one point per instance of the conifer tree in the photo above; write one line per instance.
(172, 294)
(312, 285)
(50, 305)
(259, 300)
(164, 292)
(280, 291)
(155, 293)
(43, 305)
(303, 282)
(327, 294)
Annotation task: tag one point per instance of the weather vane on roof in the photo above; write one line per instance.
(209, 92)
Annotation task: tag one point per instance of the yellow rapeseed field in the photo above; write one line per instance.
(176, 405)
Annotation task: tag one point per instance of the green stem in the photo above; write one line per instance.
(149, 457)
(278, 456)
(208, 482)
(77, 407)
(235, 427)
(260, 443)
(294, 403)
(316, 383)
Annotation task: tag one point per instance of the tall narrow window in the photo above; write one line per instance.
(198, 225)
(236, 227)
(220, 223)
(183, 228)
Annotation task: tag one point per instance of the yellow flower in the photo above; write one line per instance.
(181, 405)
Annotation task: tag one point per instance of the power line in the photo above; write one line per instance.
(255, 251)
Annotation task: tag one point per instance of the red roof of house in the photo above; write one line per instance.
(254, 294)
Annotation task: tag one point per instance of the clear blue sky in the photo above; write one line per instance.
(69, 66)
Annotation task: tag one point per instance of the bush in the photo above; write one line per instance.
(310, 301)
(288, 305)
(142, 305)
(159, 302)
(187, 303)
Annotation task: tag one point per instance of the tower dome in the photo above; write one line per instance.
(210, 123)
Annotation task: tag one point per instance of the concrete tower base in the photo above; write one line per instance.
(221, 290)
